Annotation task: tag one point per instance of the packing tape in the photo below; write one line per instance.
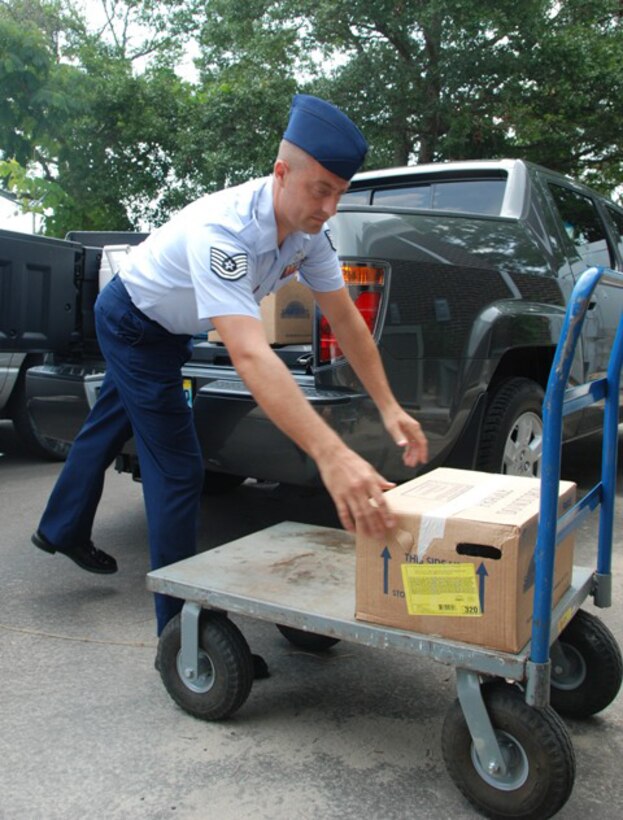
(434, 525)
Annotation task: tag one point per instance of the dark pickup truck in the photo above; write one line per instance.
(462, 271)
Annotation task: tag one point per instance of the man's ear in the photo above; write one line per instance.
(280, 170)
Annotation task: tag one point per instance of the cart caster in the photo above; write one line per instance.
(311, 641)
(587, 668)
(225, 668)
(537, 750)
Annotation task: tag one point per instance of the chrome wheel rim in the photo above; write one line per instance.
(523, 450)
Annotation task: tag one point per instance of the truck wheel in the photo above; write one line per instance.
(590, 678)
(307, 640)
(49, 448)
(540, 763)
(220, 483)
(511, 441)
(225, 668)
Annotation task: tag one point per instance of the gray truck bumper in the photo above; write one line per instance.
(237, 437)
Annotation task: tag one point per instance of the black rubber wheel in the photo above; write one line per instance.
(49, 448)
(511, 440)
(225, 668)
(537, 750)
(220, 483)
(590, 678)
(307, 640)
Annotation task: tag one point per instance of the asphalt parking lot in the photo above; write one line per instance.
(88, 730)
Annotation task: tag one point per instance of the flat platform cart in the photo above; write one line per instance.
(503, 741)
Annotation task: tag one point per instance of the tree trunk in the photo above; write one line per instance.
(431, 116)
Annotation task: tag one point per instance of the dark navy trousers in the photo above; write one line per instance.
(141, 395)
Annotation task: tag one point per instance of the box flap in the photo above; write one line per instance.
(469, 496)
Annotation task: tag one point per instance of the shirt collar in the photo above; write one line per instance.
(265, 224)
(265, 218)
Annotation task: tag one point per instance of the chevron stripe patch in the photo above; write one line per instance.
(228, 267)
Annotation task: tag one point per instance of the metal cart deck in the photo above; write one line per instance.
(503, 741)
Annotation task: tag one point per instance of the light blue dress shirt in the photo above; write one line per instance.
(219, 256)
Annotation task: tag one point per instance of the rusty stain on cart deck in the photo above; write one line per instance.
(338, 540)
(297, 565)
(303, 567)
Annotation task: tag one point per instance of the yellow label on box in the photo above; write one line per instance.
(441, 589)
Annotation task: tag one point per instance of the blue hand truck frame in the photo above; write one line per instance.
(559, 402)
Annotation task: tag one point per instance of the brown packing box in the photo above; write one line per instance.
(287, 315)
(464, 544)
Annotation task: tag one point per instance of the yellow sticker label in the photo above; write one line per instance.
(441, 589)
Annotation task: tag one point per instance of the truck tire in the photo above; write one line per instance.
(49, 448)
(511, 440)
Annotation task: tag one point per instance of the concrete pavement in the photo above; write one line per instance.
(87, 729)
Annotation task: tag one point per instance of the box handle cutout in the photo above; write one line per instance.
(479, 551)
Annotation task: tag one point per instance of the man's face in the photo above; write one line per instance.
(309, 195)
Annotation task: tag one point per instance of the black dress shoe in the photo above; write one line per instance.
(86, 556)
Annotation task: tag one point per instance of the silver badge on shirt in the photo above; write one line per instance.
(226, 266)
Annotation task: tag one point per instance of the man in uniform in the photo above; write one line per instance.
(208, 267)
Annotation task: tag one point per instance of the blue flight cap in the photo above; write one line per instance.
(325, 132)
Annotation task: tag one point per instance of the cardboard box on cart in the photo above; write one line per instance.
(287, 315)
(460, 562)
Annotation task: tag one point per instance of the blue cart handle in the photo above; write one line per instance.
(557, 403)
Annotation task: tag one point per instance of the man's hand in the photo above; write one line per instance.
(361, 351)
(357, 491)
(407, 433)
(355, 486)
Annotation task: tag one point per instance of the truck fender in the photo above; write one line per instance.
(509, 325)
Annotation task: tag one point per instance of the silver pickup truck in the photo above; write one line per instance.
(462, 271)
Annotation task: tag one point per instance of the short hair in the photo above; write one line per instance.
(293, 155)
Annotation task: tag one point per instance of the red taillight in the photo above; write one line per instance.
(328, 348)
(368, 303)
(365, 283)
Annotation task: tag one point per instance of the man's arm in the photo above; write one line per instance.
(350, 480)
(361, 352)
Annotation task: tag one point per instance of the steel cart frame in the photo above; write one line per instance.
(503, 741)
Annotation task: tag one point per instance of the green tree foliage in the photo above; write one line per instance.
(98, 130)
(566, 107)
(450, 79)
(95, 136)
(249, 57)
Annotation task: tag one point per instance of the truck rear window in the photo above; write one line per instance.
(472, 196)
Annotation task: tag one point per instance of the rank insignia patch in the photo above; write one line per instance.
(329, 236)
(226, 266)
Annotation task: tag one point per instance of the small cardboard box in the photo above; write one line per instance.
(287, 315)
(460, 562)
